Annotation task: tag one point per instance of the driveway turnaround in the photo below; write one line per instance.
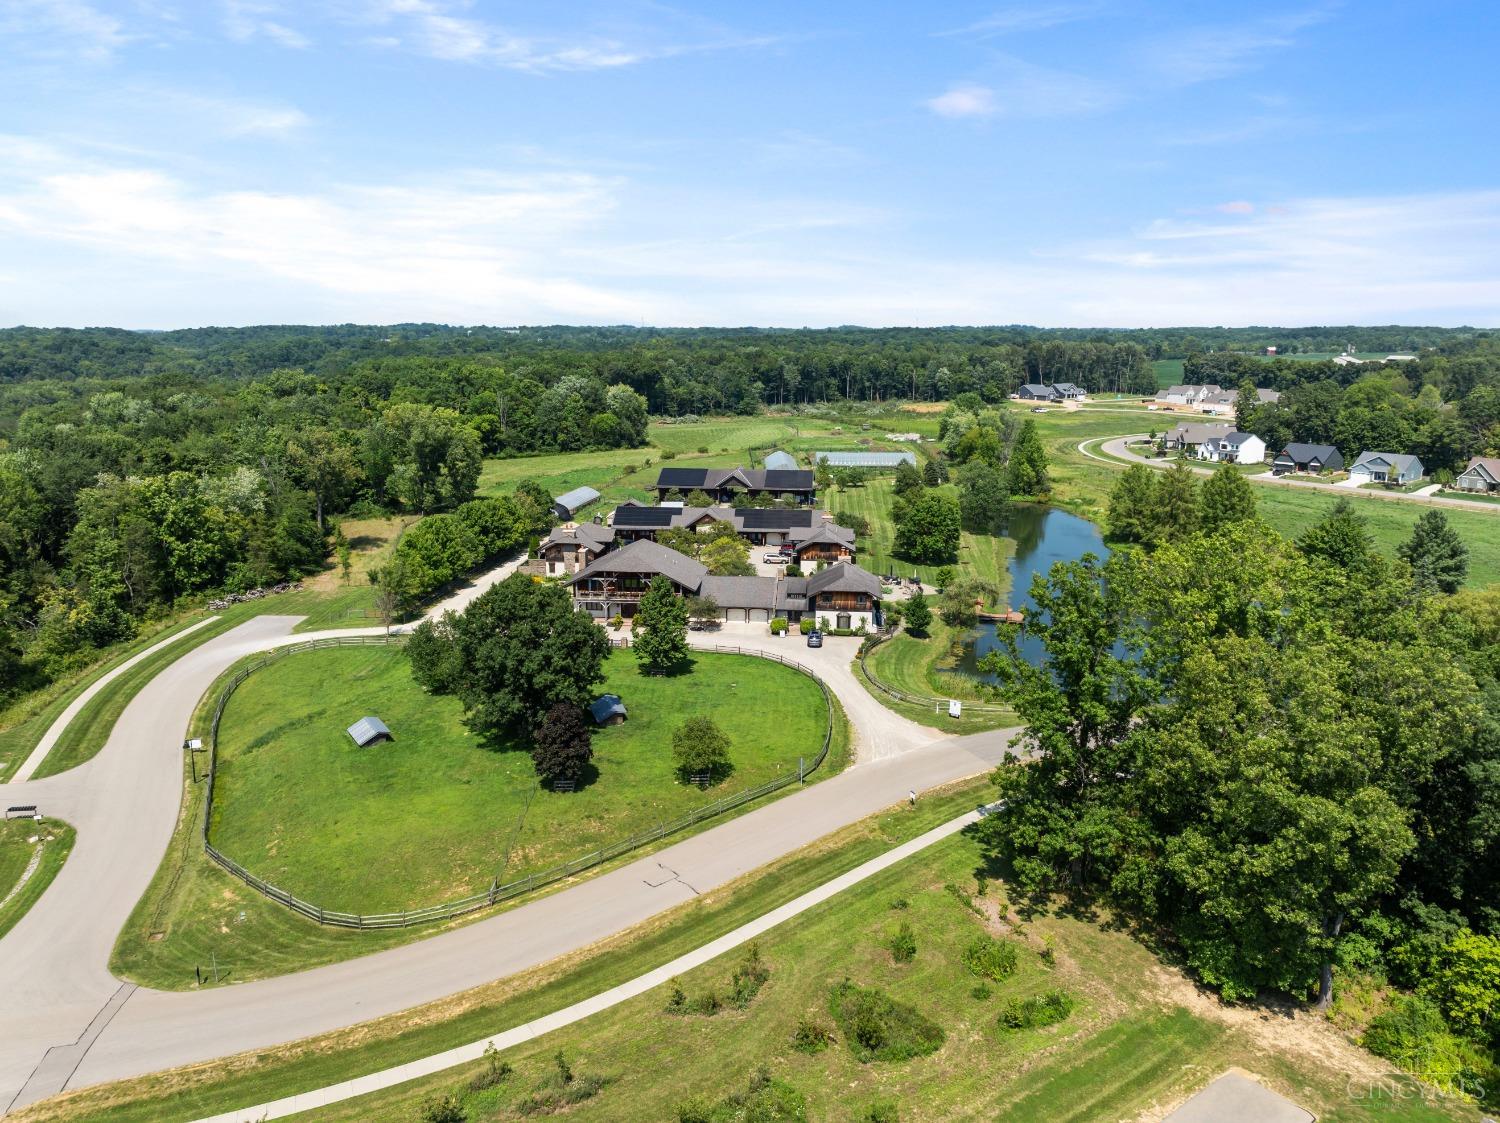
(66, 1022)
(1237, 1098)
(1115, 450)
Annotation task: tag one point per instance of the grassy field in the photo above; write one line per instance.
(16, 852)
(304, 808)
(1168, 372)
(1138, 1038)
(312, 1063)
(194, 914)
(923, 667)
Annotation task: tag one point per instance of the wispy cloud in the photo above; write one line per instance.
(1030, 17)
(247, 20)
(1193, 55)
(965, 100)
(435, 29)
(62, 28)
(1023, 89)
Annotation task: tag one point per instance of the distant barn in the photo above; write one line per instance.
(368, 730)
(568, 504)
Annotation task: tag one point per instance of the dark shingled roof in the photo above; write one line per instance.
(589, 534)
(739, 592)
(647, 557)
(844, 577)
(1302, 453)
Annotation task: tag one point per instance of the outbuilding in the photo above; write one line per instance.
(367, 730)
(568, 504)
(607, 709)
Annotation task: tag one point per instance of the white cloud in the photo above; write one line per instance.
(118, 240)
(247, 20)
(1203, 54)
(964, 101)
(62, 28)
(1031, 17)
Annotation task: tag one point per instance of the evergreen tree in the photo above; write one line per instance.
(1246, 403)
(918, 614)
(1028, 462)
(1227, 498)
(1132, 505)
(1340, 538)
(933, 473)
(1438, 558)
(1176, 503)
(660, 629)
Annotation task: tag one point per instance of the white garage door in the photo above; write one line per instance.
(760, 615)
(736, 614)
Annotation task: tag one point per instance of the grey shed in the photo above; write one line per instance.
(608, 709)
(368, 730)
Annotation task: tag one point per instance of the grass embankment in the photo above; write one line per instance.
(267, 1074)
(194, 915)
(916, 666)
(1138, 1036)
(301, 805)
(55, 840)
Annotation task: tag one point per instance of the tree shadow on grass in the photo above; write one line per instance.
(719, 776)
(587, 778)
(677, 670)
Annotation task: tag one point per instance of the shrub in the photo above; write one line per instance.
(990, 958)
(443, 1109)
(883, 1111)
(805, 625)
(1408, 1033)
(903, 945)
(702, 448)
(699, 745)
(562, 1088)
(778, 626)
(900, 904)
(981, 991)
(878, 1028)
(1038, 1010)
(748, 978)
(495, 1071)
(811, 1036)
(668, 454)
(765, 1100)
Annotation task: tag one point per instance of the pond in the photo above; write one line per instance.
(1043, 535)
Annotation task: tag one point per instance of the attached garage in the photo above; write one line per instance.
(733, 615)
(760, 615)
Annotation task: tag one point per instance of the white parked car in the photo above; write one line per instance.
(777, 559)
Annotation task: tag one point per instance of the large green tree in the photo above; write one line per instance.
(1341, 538)
(929, 532)
(522, 649)
(982, 499)
(1226, 499)
(1028, 462)
(1438, 558)
(1177, 503)
(659, 630)
(1132, 506)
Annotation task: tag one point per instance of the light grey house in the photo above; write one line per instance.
(1482, 474)
(1394, 468)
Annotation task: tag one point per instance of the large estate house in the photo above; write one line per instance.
(811, 536)
(1482, 474)
(843, 594)
(1188, 395)
(569, 548)
(724, 485)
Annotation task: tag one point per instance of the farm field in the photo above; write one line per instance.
(194, 913)
(1138, 1036)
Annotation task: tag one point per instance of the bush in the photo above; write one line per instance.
(885, 1111)
(811, 1036)
(702, 448)
(900, 904)
(765, 1100)
(990, 958)
(1038, 1010)
(563, 1088)
(903, 945)
(855, 522)
(748, 978)
(668, 454)
(699, 745)
(778, 626)
(495, 1071)
(443, 1109)
(878, 1028)
(981, 991)
(805, 625)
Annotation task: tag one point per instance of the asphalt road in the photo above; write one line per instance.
(65, 1022)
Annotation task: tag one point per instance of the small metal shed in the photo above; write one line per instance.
(569, 503)
(608, 710)
(368, 730)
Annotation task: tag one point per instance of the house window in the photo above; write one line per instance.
(841, 620)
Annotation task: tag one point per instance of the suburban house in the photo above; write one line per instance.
(811, 535)
(779, 461)
(1188, 395)
(1233, 448)
(614, 584)
(1267, 397)
(1069, 391)
(1307, 458)
(1190, 435)
(1033, 392)
(1220, 403)
(568, 504)
(890, 460)
(1386, 468)
(569, 548)
(724, 484)
(1482, 474)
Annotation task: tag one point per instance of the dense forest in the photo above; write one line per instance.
(141, 468)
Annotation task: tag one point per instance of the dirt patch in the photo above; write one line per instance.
(924, 407)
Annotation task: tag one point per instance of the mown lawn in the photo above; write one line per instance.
(1130, 1045)
(298, 803)
(16, 851)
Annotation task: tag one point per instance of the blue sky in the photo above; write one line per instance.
(169, 163)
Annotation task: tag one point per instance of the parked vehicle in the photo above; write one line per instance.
(814, 639)
(777, 559)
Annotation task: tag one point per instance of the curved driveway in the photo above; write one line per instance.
(65, 1022)
(1115, 447)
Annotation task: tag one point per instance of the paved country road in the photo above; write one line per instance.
(1115, 451)
(66, 1022)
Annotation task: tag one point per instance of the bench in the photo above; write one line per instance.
(23, 810)
(564, 785)
(702, 779)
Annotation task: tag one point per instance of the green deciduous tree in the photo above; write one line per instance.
(929, 532)
(522, 649)
(659, 631)
(908, 479)
(1438, 558)
(562, 743)
(982, 499)
(1227, 499)
(1028, 462)
(727, 555)
(699, 745)
(1132, 506)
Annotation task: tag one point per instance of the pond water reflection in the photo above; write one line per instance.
(1043, 535)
